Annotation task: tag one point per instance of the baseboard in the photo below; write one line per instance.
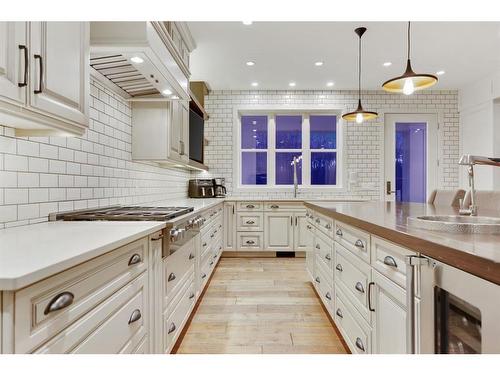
(257, 254)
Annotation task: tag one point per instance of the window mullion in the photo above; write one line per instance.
(271, 150)
(306, 152)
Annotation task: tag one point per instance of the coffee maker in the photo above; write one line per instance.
(219, 188)
(201, 188)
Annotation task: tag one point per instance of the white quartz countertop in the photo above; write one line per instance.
(31, 253)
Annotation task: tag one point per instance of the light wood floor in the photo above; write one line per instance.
(260, 306)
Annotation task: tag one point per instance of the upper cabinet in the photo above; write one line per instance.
(44, 77)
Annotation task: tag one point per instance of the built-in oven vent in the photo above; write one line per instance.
(118, 70)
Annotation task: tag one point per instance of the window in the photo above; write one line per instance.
(269, 143)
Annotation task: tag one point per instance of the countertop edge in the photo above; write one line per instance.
(470, 263)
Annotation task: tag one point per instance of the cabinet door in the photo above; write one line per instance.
(302, 237)
(59, 73)
(175, 130)
(13, 57)
(389, 303)
(278, 231)
(184, 151)
(229, 226)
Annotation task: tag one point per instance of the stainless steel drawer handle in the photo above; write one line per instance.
(359, 344)
(191, 256)
(359, 287)
(339, 268)
(172, 328)
(250, 242)
(328, 226)
(191, 296)
(250, 222)
(339, 232)
(171, 277)
(390, 261)
(328, 257)
(250, 206)
(359, 244)
(134, 259)
(59, 302)
(318, 247)
(204, 275)
(136, 315)
(275, 206)
(317, 279)
(328, 296)
(339, 313)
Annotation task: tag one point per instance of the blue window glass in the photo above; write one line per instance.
(288, 132)
(323, 168)
(323, 132)
(254, 168)
(253, 132)
(284, 168)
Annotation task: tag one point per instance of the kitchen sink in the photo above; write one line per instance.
(457, 224)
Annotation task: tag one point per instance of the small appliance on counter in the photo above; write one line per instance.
(219, 187)
(201, 188)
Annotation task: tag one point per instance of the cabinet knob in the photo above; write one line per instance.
(171, 328)
(171, 277)
(339, 232)
(339, 268)
(359, 244)
(59, 302)
(390, 261)
(359, 287)
(134, 259)
(339, 313)
(359, 344)
(135, 316)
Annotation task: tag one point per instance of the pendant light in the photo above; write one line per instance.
(359, 115)
(410, 81)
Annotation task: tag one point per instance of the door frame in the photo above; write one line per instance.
(433, 118)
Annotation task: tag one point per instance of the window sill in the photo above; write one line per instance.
(284, 189)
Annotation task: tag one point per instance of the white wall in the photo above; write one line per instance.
(43, 175)
(364, 143)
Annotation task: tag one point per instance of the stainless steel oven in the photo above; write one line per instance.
(457, 313)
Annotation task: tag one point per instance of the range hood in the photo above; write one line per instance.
(137, 59)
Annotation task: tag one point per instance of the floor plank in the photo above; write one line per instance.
(260, 305)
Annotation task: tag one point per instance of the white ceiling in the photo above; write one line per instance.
(287, 51)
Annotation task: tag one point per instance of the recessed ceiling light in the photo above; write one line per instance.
(136, 59)
(167, 92)
(440, 73)
(250, 63)
(175, 97)
(387, 63)
(255, 84)
(247, 23)
(330, 84)
(292, 84)
(318, 63)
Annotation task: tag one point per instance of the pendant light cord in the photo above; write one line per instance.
(359, 69)
(409, 41)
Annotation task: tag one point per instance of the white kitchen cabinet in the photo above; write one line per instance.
(13, 58)
(302, 238)
(279, 231)
(229, 226)
(44, 77)
(179, 131)
(310, 254)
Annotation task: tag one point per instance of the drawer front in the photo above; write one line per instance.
(137, 346)
(355, 331)
(323, 223)
(354, 277)
(355, 240)
(176, 266)
(249, 206)
(39, 311)
(249, 221)
(389, 260)
(175, 322)
(323, 247)
(276, 206)
(110, 326)
(324, 287)
(327, 273)
(249, 241)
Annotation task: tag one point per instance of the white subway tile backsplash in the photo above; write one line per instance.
(28, 179)
(15, 163)
(15, 196)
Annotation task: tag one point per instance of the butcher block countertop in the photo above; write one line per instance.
(478, 254)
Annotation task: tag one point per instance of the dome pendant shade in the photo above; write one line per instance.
(410, 81)
(359, 115)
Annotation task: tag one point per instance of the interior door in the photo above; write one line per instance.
(411, 157)
(60, 69)
(14, 62)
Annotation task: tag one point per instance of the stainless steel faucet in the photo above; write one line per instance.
(470, 161)
(295, 178)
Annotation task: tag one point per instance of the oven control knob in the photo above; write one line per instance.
(181, 232)
(174, 234)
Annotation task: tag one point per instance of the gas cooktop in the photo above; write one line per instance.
(125, 213)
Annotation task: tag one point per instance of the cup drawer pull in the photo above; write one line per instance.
(250, 206)
(250, 242)
(136, 315)
(359, 344)
(308, 226)
(359, 287)
(328, 257)
(172, 328)
(328, 296)
(328, 226)
(275, 206)
(339, 232)
(390, 261)
(339, 268)
(171, 277)
(317, 279)
(339, 313)
(250, 222)
(191, 296)
(134, 259)
(318, 247)
(359, 244)
(59, 302)
(204, 275)
(191, 256)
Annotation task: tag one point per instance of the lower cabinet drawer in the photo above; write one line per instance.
(110, 327)
(323, 246)
(174, 324)
(324, 287)
(176, 266)
(356, 332)
(249, 240)
(249, 221)
(354, 240)
(137, 346)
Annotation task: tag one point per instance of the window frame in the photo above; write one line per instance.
(272, 112)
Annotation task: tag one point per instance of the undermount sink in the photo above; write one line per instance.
(457, 224)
